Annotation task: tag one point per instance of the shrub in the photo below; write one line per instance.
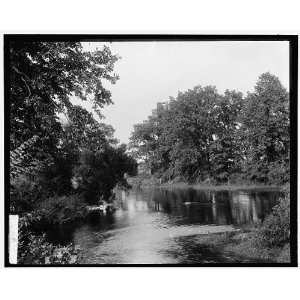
(275, 230)
(279, 172)
(63, 209)
(24, 194)
(98, 172)
(35, 249)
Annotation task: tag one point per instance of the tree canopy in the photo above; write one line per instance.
(204, 135)
(44, 76)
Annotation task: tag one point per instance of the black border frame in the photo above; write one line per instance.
(293, 89)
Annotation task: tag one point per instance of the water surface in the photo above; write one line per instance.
(159, 226)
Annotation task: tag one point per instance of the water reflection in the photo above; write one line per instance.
(204, 207)
(159, 226)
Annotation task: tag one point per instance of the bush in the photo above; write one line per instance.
(279, 172)
(24, 194)
(35, 249)
(63, 209)
(97, 173)
(275, 230)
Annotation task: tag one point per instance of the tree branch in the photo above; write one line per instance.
(22, 78)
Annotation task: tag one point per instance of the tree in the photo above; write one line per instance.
(203, 135)
(179, 136)
(83, 131)
(224, 150)
(266, 130)
(97, 173)
(43, 76)
(143, 141)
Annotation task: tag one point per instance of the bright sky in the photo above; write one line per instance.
(150, 72)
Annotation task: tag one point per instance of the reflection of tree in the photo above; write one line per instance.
(205, 207)
(255, 206)
(240, 207)
(214, 208)
(156, 205)
(264, 201)
(251, 207)
(222, 207)
(155, 200)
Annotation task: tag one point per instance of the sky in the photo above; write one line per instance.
(151, 72)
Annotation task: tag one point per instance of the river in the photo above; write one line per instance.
(158, 226)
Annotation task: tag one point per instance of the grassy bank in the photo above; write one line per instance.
(266, 242)
(243, 246)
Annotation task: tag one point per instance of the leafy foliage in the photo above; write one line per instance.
(99, 172)
(18, 156)
(45, 153)
(24, 193)
(265, 130)
(60, 210)
(44, 75)
(43, 78)
(275, 230)
(34, 249)
(205, 136)
(25, 163)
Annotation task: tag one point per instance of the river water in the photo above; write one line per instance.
(158, 226)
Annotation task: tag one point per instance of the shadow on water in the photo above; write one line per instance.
(63, 234)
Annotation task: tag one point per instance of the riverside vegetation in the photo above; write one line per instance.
(203, 139)
(207, 137)
(268, 241)
(58, 167)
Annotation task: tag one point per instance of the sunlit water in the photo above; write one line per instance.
(159, 226)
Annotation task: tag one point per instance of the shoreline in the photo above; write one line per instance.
(148, 183)
(241, 247)
(224, 187)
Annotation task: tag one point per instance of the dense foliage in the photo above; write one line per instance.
(202, 135)
(35, 249)
(43, 76)
(97, 173)
(275, 230)
(54, 143)
(46, 152)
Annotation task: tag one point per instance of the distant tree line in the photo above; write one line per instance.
(202, 135)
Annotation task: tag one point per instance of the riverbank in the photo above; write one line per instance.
(221, 187)
(34, 244)
(243, 247)
(145, 182)
(265, 242)
(181, 240)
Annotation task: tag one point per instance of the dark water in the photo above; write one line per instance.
(159, 226)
